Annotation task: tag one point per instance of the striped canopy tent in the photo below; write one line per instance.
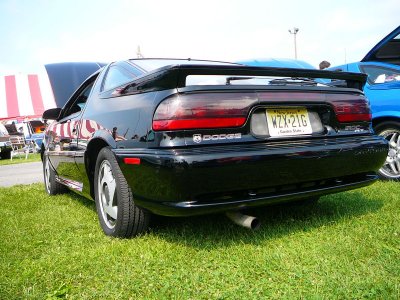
(25, 96)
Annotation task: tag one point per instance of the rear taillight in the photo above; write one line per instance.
(351, 109)
(205, 110)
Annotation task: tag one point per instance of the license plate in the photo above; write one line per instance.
(288, 121)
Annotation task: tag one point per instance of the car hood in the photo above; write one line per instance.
(65, 78)
(387, 50)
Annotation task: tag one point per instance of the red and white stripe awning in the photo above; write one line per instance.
(25, 96)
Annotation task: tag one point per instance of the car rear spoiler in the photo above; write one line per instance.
(174, 76)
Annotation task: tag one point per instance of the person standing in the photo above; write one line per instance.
(324, 64)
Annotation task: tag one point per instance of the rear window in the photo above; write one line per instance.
(118, 75)
(3, 131)
(250, 80)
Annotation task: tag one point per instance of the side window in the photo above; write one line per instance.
(116, 76)
(80, 101)
(377, 74)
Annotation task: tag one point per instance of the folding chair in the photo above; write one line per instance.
(19, 146)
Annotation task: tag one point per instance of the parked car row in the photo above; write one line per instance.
(15, 135)
(32, 131)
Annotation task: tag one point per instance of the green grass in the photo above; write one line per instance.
(20, 159)
(345, 247)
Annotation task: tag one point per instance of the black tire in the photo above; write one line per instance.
(6, 155)
(116, 209)
(51, 185)
(390, 130)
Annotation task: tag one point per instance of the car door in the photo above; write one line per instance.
(64, 146)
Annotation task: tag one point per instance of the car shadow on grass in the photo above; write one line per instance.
(276, 221)
(87, 203)
(216, 230)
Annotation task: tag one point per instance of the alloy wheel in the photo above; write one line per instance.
(47, 175)
(391, 167)
(107, 194)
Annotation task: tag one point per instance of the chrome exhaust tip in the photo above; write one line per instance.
(246, 221)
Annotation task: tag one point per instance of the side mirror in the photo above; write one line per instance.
(51, 114)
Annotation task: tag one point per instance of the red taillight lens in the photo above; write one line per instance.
(206, 110)
(351, 109)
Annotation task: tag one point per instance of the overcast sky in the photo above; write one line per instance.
(36, 32)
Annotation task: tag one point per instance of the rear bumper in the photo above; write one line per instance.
(181, 182)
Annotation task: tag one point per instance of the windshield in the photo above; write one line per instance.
(3, 130)
(152, 64)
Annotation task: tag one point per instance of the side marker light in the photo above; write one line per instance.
(132, 161)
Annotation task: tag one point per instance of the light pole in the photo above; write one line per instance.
(139, 53)
(294, 32)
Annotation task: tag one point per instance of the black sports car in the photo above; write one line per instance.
(186, 137)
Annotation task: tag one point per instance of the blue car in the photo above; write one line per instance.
(382, 65)
(277, 63)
